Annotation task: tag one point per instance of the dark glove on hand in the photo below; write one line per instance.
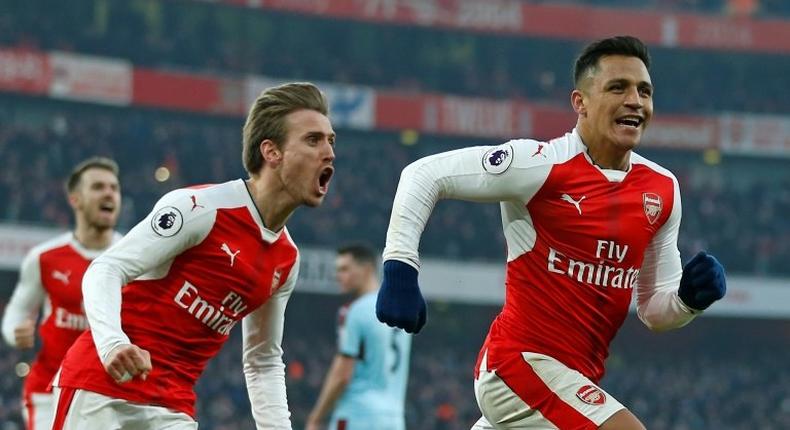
(703, 282)
(400, 303)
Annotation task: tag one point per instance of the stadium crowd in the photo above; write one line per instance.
(710, 386)
(740, 219)
(230, 40)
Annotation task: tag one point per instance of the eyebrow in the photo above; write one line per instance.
(626, 81)
(103, 183)
(319, 134)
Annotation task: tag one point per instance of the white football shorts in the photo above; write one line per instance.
(535, 391)
(80, 409)
(38, 411)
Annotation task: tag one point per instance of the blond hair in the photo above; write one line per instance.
(266, 119)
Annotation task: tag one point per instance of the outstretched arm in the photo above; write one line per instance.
(479, 174)
(506, 172)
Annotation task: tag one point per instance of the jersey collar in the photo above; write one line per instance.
(87, 253)
(267, 235)
(612, 175)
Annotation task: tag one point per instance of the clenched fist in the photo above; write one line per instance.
(25, 334)
(127, 361)
(703, 282)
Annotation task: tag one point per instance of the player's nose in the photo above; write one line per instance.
(110, 192)
(632, 98)
(329, 153)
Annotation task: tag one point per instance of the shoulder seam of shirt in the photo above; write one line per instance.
(59, 241)
(558, 143)
(652, 165)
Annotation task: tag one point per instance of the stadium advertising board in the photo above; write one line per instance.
(188, 92)
(765, 134)
(575, 22)
(364, 108)
(24, 71)
(88, 78)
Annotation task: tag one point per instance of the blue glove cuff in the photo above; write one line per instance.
(401, 273)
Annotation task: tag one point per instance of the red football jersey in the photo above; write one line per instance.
(51, 275)
(195, 267)
(580, 240)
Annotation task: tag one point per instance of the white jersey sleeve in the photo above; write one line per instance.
(27, 298)
(508, 172)
(146, 251)
(264, 370)
(657, 300)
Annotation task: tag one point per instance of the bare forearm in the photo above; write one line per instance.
(334, 385)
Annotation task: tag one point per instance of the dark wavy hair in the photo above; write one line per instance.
(628, 46)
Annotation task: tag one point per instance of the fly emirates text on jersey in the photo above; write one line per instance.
(215, 318)
(599, 274)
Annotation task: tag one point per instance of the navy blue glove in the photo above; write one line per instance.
(703, 281)
(400, 303)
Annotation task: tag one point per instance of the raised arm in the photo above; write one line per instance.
(264, 370)
(146, 250)
(19, 318)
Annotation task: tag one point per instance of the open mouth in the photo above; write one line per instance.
(324, 178)
(633, 121)
(107, 207)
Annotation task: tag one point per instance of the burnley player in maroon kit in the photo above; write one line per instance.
(588, 223)
(162, 302)
(50, 278)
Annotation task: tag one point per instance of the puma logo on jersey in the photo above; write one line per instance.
(232, 255)
(195, 204)
(62, 276)
(576, 203)
(539, 151)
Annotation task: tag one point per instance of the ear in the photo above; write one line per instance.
(74, 199)
(577, 101)
(271, 153)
